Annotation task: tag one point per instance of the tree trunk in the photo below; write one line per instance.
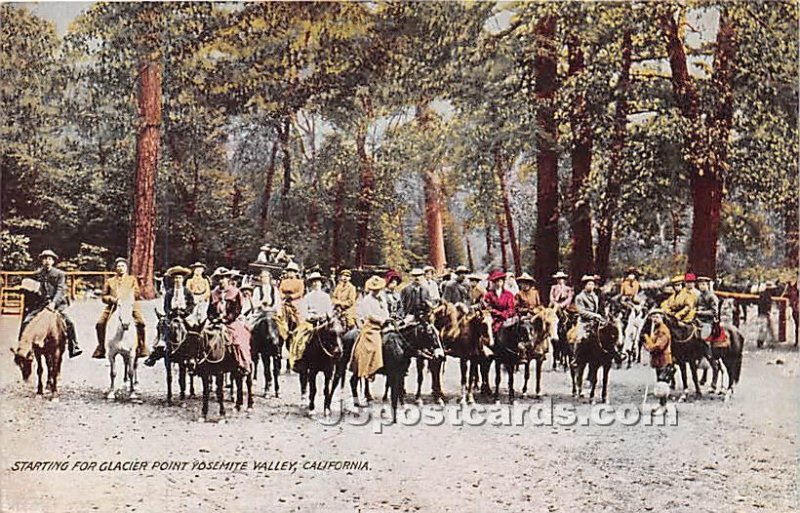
(338, 216)
(433, 219)
(582, 261)
(364, 198)
(266, 196)
(501, 170)
(707, 147)
(488, 232)
(147, 147)
(792, 236)
(503, 252)
(470, 260)
(608, 208)
(546, 245)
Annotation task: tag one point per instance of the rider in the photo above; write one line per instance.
(707, 307)
(391, 296)
(292, 290)
(455, 291)
(367, 356)
(629, 288)
(500, 302)
(344, 298)
(588, 304)
(51, 295)
(476, 292)
(315, 307)
(265, 294)
(178, 302)
(415, 297)
(683, 306)
(431, 284)
(527, 300)
(561, 293)
(121, 286)
(226, 307)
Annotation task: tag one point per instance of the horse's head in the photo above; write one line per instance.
(427, 339)
(25, 364)
(445, 319)
(610, 335)
(124, 311)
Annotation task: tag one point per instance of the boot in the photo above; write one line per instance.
(141, 346)
(157, 354)
(100, 350)
(72, 341)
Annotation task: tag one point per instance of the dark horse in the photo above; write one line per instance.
(215, 359)
(687, 345)
(730, 356)
(464, 335)
(562, 351)
(265, 344)
(46, 336)
(598, 347)
(180, 347)
(401, 343)
(323, 351)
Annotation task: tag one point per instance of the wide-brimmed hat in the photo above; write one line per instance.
(497, 275)
(291, 266)
(588, 277)
(633, 270)
(375, 283)
(462, 269)
(560, 274)
(676, 279)
(265, 247)
(525, 277)
(689, 277)
(474, 277)
(429, 268)
(220, 272)
(120, 259)
(48, 253)
(178, 270)
(314, 276)
(390, 275)
(197, 264)
(416, 272)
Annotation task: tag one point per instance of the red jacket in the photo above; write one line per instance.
(501, 307)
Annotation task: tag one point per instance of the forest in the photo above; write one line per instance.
(585, 136)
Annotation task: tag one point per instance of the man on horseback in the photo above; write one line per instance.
(455, 291)
(315, 308)
(683, 305)
(51, 295)
(476, 292)
(226, 307)
(178, 303)
(344, 298)
(266, 295)
(367, 356)
(432, 284)
(707, 305)
(120, 287)
(416, 300)
(527, 300)
(588, 304)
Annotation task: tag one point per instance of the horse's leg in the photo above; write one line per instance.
(420, 369)
(497, 368)
(367, 393)
(682, 367)
(181, 377)
(168, 370)
(462, 363)
(312, 393)
(254, 357)
(39, 372)
(112, 373)
(593, 367)
(693, 367)
(394, 383)
(239, 380)
(230, 383)
(249, 382)
(303, 386)
(328, 373)
(579, 377)
(354, 388)
(267, 374)
(206, 381)
(130, 365)
(606, 370)
(538, 378)
(526, 375)
(276, 370)
(510, 370)
(221, 392)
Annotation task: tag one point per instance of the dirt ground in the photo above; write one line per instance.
(739, 455)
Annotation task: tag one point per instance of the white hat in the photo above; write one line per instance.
(416, 272)
(291, 266)
(560, 274)
(314, 276)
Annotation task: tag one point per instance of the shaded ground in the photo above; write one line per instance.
(739, 455)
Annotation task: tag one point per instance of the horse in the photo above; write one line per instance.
(214, 359)
(464, 332)
(400, 343)
(688, 347)
(46, 336)
(121, 340)
(180, 347)
(545, 333)
(508, 349)
(631, 348)
(323, 351)
(596, 348)
(730, 356)
(266, 345)
(562, 350)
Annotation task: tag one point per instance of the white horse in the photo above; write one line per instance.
(631, 333)
(121, 340)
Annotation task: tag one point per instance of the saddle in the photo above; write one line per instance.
(718, 338)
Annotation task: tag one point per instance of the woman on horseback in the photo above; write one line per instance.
(500, 303)
(178, 303)
(226, 307)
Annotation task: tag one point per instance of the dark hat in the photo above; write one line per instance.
(496, 275)
(197, 264)
(391, 274)
(704, 278)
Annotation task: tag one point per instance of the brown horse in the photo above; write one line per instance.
(598, 347)
(545, 334)
(45, 336)
(464, 332)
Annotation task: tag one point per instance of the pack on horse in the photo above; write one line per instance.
(542, 329)
(45, 336)
(464, 335)
(594, 345)
(180, 341)
(265, 345)
(121, 341)
(324, 350)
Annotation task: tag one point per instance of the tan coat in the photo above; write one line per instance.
(124, 287)
(344, 296)
(199, 286)
(476, 294)
(659, 345)
(368, 350)
(683, 306)
(528, 302)
(629, 288)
